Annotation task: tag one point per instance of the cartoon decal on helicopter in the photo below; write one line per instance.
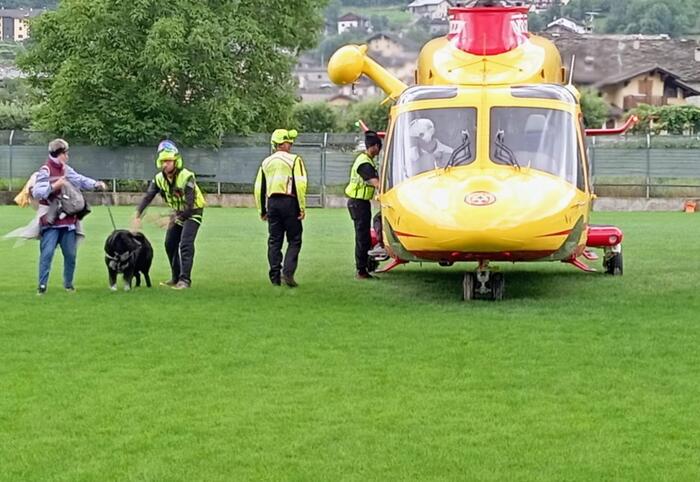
(485, 158)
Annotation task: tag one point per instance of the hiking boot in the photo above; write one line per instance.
(289, 281)
(70, 289)
(181, 285)
(364, 275)
(41, 290)
(170, 283)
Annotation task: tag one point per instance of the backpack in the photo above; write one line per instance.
(69, 202)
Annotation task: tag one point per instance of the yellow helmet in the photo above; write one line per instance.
(280, 136)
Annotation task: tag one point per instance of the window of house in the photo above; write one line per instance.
(670, 91)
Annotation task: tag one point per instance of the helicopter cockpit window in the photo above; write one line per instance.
(543, 139)
(428, 139)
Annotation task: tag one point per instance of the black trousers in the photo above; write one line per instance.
(179, 246)
(361, 214)
(283, 219)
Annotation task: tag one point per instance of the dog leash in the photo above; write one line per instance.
(109, 210)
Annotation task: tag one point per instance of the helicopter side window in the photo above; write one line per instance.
(583, 158)
(543, 139)
(429, 139)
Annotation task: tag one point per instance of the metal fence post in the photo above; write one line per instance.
(12, 135)
(648, 180)
(218, 172)
(324, 149)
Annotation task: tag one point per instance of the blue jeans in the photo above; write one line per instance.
(50, 238)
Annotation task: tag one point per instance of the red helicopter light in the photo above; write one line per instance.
(487, 30)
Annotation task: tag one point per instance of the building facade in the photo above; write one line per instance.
(14, 24)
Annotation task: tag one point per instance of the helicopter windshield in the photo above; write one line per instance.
(428, 139)
(543, 139)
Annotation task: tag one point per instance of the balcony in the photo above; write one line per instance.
(632, 101)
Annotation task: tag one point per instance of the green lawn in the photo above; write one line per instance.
(574, 376)
(396, 14)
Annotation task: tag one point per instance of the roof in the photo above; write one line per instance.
(407, 44)
(350, 17)
(616, 79)
(20, 13)
(342, 97)
(600, 57)
(382, 35)
(567, 22)
(425, 3)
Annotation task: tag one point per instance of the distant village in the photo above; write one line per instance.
(626, 69)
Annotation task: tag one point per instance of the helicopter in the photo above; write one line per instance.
(485, 156)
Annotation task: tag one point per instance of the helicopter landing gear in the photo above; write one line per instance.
(483, 284)
(612, 260)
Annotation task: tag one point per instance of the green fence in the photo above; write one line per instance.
(648, 166)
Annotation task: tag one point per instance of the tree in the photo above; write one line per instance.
(14, 116)
(124, 72)
(419, 33)
(672, 17)
(371, 111)
(536, 23)
(330, 44)
(314, 117)
(379, 22)
(332, 11)
(16, 97)
(595, 110)
(672, 119)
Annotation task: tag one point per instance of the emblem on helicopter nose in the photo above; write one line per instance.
(480, 198)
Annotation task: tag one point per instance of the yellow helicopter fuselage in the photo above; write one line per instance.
(484, 157)
(485, 210)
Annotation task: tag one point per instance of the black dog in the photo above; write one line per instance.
(128, 253)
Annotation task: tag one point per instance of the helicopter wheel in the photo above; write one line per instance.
(468, 286)
(612, 262)
(498, 285)
(483, 285)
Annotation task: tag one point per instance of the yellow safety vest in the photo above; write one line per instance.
(283, 172)
(357, 188)
(174, 193)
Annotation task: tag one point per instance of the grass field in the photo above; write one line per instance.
(573, 377)
(396, 14)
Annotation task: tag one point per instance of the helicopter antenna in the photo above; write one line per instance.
(571, 69)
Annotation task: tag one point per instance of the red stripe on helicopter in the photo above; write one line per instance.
(408, 235)
(560, 233)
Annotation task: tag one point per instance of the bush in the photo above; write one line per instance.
(314, 117)
(14, 116)
(372, 112)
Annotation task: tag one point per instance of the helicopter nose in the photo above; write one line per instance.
(493, 211)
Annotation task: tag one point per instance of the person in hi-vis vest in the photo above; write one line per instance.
(364, 180)
(178, 188)
(280, 195)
